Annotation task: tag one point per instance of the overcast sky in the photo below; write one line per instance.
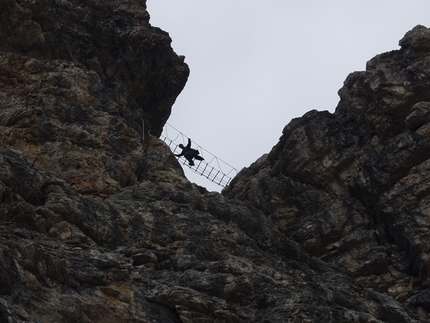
(256, 65)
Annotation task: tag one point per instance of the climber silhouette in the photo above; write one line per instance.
(189, 153)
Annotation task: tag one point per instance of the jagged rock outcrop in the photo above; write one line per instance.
(77, 79)
(352, 187)
(96, 226)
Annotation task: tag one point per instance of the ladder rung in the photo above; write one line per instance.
(203, 168)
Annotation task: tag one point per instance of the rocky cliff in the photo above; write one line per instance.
(332, 225)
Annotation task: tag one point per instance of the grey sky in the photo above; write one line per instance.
(256, 65)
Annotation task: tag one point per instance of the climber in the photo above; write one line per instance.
(189, 153)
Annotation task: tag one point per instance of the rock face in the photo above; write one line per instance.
(352, 188)
(77, 79)
(95, 226)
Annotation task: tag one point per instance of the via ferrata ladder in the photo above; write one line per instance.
(213, 168)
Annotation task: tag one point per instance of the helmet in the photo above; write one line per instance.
(181, 145)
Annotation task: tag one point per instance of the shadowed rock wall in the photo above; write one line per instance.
(77, 78)
(352, 187)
